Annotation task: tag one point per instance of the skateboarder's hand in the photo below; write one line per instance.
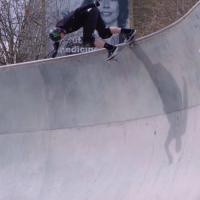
(55, 51)
(97, 3)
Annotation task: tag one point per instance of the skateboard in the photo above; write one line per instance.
(121, 47)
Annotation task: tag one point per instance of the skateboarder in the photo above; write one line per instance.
(90, 19)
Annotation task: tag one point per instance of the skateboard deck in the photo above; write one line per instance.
(121, 47)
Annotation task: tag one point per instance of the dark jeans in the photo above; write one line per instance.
(93, 21)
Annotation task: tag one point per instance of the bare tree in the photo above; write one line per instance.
(152, 15)
(22, 35)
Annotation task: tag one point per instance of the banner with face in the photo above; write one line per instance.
(113, 12)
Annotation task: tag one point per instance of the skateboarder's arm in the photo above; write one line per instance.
(55, 51)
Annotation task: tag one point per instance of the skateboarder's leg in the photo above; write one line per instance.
(92, 23)
(106, 32)
(89, 27)
(112, 50)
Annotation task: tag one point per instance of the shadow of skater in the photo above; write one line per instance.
(171, 97)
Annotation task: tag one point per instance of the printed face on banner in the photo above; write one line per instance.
(114, 12)
(110, 11)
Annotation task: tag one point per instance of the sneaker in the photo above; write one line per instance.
(130, 36)
(112, 53)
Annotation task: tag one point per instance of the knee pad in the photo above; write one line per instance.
(106, 33)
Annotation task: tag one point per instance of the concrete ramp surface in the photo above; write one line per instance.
(81, 128)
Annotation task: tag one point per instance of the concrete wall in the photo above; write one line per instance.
(82, 128)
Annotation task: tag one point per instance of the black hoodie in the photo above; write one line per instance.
(75, 19)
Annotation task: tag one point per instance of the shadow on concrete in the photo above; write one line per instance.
(172, 99)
